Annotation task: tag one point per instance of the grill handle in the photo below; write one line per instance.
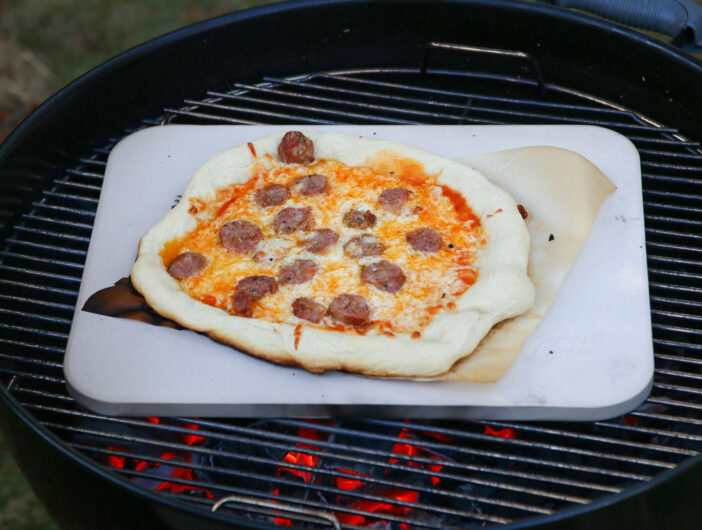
(681, 19)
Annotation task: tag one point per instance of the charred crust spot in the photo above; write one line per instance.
(522, 211)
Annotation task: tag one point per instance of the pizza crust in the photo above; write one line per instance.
(503, 288)
(563, 192)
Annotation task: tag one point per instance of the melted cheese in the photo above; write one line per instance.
(433, 280)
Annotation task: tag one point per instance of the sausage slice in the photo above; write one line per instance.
(424, 239)
(251, 289)
(240, 236)
(394, 199)
(363, 245)
(311, 184)
(352, 309)
(296, 148)
(291, 220)
(384, 275)
(321, 240)
(359, 219)
(299, 271)
(186, 264)
(306, 309)
(271, 195)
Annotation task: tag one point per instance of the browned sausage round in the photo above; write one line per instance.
(321, 240)
(363, 245)
(240, 236)
(394, 199)
(291, 220)
(186, 264)
(307, 309)
(352, 309)
(296, 148)
(299, 271)
(271, 195)
(311, 184)
(359, 219)
(251, 289)
(384, 275)
(424, 239)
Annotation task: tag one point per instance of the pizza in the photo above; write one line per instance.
(335, 252)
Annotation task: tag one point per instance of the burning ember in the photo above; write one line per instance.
(168, 471)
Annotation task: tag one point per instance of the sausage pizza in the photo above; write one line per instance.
(330, 251)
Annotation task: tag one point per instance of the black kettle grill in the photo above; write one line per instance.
(438, 62)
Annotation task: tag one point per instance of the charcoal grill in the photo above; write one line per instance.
(323, 62)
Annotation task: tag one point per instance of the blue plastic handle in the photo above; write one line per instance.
(665, 16)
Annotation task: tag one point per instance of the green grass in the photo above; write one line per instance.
(72, 36)
(19, 509)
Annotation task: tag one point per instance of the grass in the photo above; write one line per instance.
(19, 509)
(44, 45)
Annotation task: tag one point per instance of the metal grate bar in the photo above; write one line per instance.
(90, 161)
(29, 360)
(648, 430)
(41, 288)
(583, 436)
(673, 195)
(34, 331)
(530, 444)
(674, 167)
(671, 314)
(181, 112)
(63, 222)
(674, 261)
(548, 105)
(686, 156)
(22, 299)
(677, 373)
(32, 375)
(22, 344)
(41, 274)
(64, 196)
(671, 179)
(677, 344)
(83, 173)
(467, 105)
(38, 259)
(667, 417)
(64, 209)
(674, 402)
(78, 185)
(59, 235)
(677, 388)
(299, 107)
(34, 316)
(659, 142)
(675, 274)
(673, 247)
(46, 247)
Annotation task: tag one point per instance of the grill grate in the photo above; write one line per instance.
(355, 472)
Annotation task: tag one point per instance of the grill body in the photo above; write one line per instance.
(197, 75)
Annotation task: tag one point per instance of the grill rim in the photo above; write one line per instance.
(25, 129)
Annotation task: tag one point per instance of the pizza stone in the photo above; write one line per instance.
(501, 291)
